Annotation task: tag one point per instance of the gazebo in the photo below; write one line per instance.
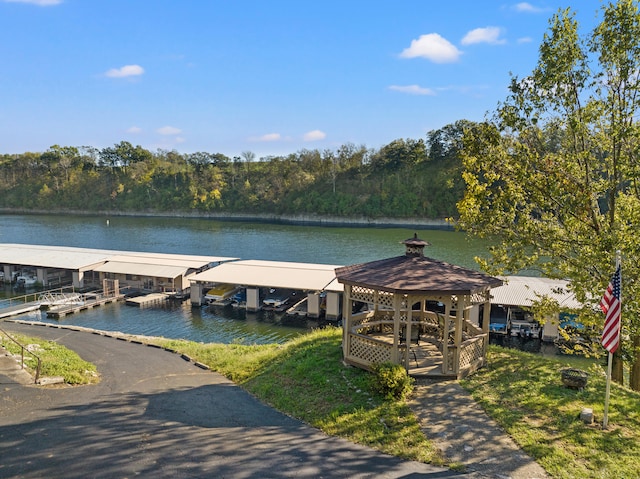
(428, 315)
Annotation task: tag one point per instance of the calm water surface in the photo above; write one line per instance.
(277, 242)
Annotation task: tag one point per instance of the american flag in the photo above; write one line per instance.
(611, 306)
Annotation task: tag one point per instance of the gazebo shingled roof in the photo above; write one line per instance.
(416, 274)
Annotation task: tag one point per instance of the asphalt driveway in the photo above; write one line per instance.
(156, 415)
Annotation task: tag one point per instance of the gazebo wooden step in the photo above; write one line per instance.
(431, 373)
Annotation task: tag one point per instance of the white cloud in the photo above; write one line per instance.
(489, 35)
(125, 71)
(432, 47)
(135, 130)
(526, 7)
(525, 40)
(267, 137)
(169, 130)
(40, 3)
(412, 89)
(314, 135)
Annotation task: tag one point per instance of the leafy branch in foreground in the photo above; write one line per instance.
(554, 176)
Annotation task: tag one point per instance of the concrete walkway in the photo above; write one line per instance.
(156, 415)
(12, 371)
(466, 435)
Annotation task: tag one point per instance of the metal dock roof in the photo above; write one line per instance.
(524, 290)
(62, 257)
(83, 259)
(274, 274)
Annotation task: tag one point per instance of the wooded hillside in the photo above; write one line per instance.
(405, 179)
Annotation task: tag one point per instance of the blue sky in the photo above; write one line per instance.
(271, 77)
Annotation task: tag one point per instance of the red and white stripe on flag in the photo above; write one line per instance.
(611, 306)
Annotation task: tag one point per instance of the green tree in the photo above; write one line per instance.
(445, 144)
(124, 154)
(248, 157)
(61, 159)
(553, 176)
(400, 153)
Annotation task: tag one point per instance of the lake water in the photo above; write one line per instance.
(276, 242)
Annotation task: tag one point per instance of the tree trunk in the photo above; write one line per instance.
(634, 382)
(617, 370)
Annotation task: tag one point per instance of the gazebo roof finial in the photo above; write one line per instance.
(415, 246)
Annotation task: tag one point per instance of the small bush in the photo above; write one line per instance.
(392, 381)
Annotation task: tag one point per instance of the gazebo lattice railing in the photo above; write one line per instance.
(367, 346)
(367, 351)
(472, 352)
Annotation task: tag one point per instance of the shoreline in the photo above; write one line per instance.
(308, 220)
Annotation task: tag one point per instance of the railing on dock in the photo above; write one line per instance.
(33, 297)
(89, 301)
(49, 298)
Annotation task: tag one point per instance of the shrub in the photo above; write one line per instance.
(391, 380)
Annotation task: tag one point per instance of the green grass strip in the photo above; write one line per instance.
(56, 360)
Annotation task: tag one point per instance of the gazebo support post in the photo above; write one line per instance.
(397, 302)
(445, 337)
(346, 311)
(407, 332)
(457, 339)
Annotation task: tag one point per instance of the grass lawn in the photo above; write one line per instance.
(525, 395)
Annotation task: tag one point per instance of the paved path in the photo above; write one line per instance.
(157, 415)
(466, 435)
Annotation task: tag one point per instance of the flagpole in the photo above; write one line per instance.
(605, 420)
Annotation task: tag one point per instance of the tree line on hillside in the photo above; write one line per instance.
(406, 178)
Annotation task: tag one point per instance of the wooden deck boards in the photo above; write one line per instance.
(425, 358)
(19, 308)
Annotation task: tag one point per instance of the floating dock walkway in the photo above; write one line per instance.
(147, 299)
(19, 308)
(56, 311)
(61, 311)
(89, 301)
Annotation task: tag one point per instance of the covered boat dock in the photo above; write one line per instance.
(156, 272)
(315, 280)
(172, 274)
(85, 267)
(51, 266)
(519, 293)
